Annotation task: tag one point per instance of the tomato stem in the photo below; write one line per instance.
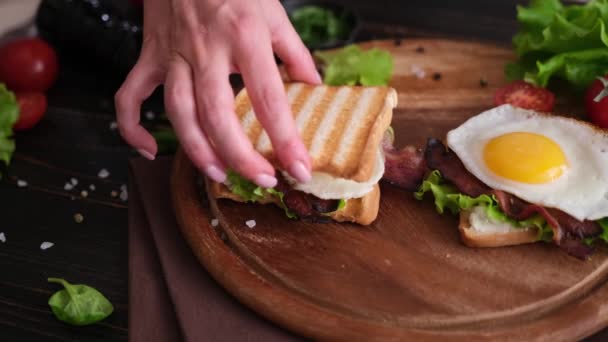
(604, 92)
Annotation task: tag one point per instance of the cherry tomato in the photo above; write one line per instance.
(525, 95)
(598, 110)
(32, 106)
(28, 65)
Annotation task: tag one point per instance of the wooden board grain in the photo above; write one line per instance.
(407, 276)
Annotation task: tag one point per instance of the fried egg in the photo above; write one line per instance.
(553, 161)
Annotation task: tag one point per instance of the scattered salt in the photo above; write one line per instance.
(78, 218)
(92, 187)
(417, 71)
(123, 187)
(74, 181)
(84, 193)
(21, 183)
(46, 245)
(124, 196)
(113, 193)
(215, 222)
(150, 115)
(250, 223)
(2, 238)
(68, 187)
(113, 125)
(103, 173)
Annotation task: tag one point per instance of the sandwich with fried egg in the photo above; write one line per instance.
(343, 128)
(517, 176)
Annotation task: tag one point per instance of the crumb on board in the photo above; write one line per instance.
(437, 76)
(215, 222)
(92, 187)
(68, 186)
(250, 223)
(420, 49)
(114, 193)
(2, 238)
(84, 193)
(113, 125)
(21, 183)
(73, 181)
(124, 195)
(483, 82)
(46, 245)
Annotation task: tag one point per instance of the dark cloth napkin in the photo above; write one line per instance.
(171, 296)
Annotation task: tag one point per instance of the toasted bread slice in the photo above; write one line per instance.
(341, 126)
(487, 237)
(360, 210)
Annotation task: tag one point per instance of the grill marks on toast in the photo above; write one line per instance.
(336, 125)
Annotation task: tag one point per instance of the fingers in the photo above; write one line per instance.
(181, 110)
(215, 102)
(269, 100)
(139, 85)
(291, 50)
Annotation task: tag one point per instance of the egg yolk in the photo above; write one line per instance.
(525, 157)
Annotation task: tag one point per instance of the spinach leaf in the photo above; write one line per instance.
(79, 304)
(318, 25)
(9, 112)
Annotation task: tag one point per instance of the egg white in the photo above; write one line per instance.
(582, 189)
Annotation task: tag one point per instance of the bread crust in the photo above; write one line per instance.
(362, 210)
(472, 238)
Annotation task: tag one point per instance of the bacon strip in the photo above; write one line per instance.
(568, 232)
(403, 168)
(306, 206)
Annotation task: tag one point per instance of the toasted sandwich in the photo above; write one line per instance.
(342, 128)
(516, 176)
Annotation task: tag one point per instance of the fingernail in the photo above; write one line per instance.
(146, 154)
(300, 172)
(215, 173)
(265, 181)
(319, 78)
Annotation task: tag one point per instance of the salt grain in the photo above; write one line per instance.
(103, 173)
(417, 71)
(150, 115)
(124, 196)
(92, 187)
(68, 187)
(74, 181)
(113, 125)
(46, 245)
(123, 187)
(2, 238)
(84, 193)
(215, 222)
(250, 223)
(21, 183)
(78, 218)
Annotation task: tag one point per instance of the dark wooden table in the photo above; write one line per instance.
(75, 141)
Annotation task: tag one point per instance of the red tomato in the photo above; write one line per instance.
(525, 95)
(32, 106)
(598, 110)
(28, 65)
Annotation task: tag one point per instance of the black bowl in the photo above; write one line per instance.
(352, 17)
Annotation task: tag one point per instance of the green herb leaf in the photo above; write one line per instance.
(570, 42)
(166, 140)
(318, 25)
(79, 304)
(9, 112)
(353, 66)
(447, 196)
(604, 224)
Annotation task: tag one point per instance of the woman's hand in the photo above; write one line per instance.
(191, 46)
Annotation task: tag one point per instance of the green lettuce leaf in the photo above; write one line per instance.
(570, 42)
(251, 192)
(447, 196)
(353, 66)
(604, 224)
(317, 25)
(9, 112)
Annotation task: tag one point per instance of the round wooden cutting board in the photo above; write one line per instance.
(407, 276)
